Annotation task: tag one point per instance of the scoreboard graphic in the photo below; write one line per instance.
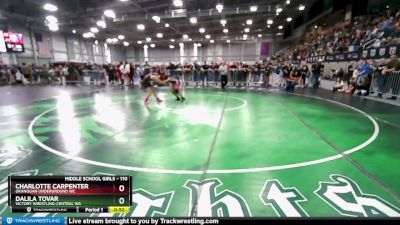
(63, 194)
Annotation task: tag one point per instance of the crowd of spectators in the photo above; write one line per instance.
(287, 66)
(372, 31)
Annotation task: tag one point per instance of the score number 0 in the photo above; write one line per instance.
(121, 200)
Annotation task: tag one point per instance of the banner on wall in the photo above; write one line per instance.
(373, 53)
(264, 50)
(43, 44)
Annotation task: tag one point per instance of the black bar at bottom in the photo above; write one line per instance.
(79, 209)
(205, 221)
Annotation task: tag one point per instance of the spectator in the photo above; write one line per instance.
(392, 66)
(27, 72)
(291, 81)
(363, 72)
(338, 84)
(223, 71)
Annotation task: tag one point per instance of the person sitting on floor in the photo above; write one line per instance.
(338, 84)
(351, 87)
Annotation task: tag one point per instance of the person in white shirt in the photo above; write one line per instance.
(223, 71)
(127, 73)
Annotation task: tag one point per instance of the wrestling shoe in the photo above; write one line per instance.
(183, 99)
(158, 101)
(146, 102)
(177, 99)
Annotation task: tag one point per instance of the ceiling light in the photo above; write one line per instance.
(148, 39)
(228, 41)
(101, 24)
(115, 40)
(88, 35)
(50, 7)
(185, 36)
(109, 40)
(208, 36)
(51, 19)
(249, 22)
(289, 19)
(53, 27)
(166, 25)
(199, 45)
(253, 8)
(202, 30)
(140, 42)
(171, 46)
(247, 30)
(270, 21)
(121, 37)
(159, 35)
(152, 45)
(269, 26)
(193, 20)
(94, 30)
(287, 2)
(211, 41)
(259, 35)
(279, 34)
(172, 40)
(301, 7)
(315, 26)
(140, 27)
(178, 3)
(74, 31)
(219, 7)
(225, 30)
(280, 27)
(126, 44)
(279, 10)
(156, 18)
(223, 22)
(190, 39)
(109, 13)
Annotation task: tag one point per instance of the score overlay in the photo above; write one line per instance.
(69, 193)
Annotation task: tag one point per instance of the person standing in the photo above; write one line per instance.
(122, 72)
(304, 72)
(131, 73)
(187, 71)
(204, 72)
(266, 70)
(216, 73)
(26, 70)
(223, 71)
(197, 70)
(127, 73)
(392, 66)
(316, 73)
(44, 79)
(233, 70)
